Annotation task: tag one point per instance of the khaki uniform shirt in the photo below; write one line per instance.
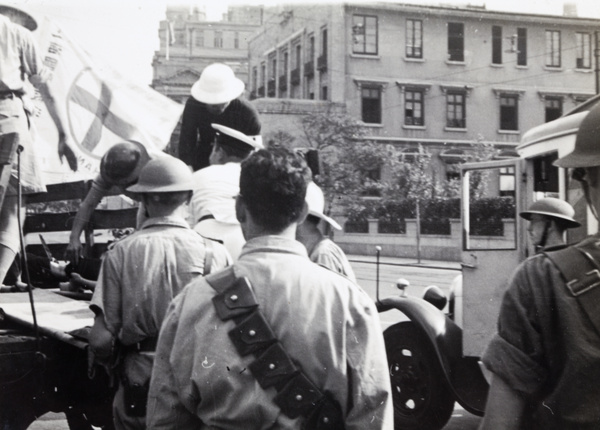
(324, 322)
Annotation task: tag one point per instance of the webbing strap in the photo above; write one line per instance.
(273, 367)
(579, 267)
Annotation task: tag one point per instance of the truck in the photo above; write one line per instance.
(434, 355)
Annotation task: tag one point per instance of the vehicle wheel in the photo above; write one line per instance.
(422, 398)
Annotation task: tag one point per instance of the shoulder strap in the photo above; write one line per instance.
(296, 395)
(580, 269)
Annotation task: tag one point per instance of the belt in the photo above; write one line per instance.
(146, 345)
(205, 217)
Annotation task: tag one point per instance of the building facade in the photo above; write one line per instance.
(448, 79)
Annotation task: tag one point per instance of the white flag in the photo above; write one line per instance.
(101, 106)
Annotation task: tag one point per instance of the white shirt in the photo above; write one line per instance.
(215, 190)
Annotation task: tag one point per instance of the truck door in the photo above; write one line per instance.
(493, 244)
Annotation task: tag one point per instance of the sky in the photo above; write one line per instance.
(125, 32)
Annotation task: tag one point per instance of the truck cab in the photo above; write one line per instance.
(434, 357)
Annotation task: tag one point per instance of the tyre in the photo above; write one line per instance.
(422, 398)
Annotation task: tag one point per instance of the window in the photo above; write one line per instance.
(284, 64)
(311, 48)
(521, 46)
(456, 41)
(553, 108)
(218, 39)
(414, 38)
(509, 112)
(364, 34)
(324, 92)
(584, 53)
(298, 57)
(236, 40)
(496, 44)
(456, 115)
(507, 181)
(324, 43)
(413, 107)
(371, 105)
(199, 38)
(552, 48)
(254, 78)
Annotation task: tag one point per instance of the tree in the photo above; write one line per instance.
(350, 162)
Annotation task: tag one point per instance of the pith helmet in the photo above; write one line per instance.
(316, 204)
(164, 174)
(27, 20)
(587, 143)
(238, 139)
(217, 84)
(554, 208)
(122, 163)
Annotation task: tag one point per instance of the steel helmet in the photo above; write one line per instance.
(164, 174)
(27, 20)
(554, 208)
(121, 164)
(587, 143)
(217, 85)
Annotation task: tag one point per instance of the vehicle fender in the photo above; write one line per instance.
(463, 374)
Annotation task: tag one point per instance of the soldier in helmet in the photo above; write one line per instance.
(119, 168)
(139, 277)
(544, 357)
(549, 218)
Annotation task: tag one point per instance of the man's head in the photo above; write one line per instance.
(122, 163)
(216, 88)
(272, 190)
(232, 145)
(585, 158)
(18, 16)
(548, 219)
(165, 182)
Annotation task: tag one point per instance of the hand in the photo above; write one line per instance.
(65, 151)
(73, 251)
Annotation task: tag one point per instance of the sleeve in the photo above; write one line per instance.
(370, 388)
(188, 135)
(107, 298)
(32, 62)
(252, 119)
(165, 409)
(516, 352)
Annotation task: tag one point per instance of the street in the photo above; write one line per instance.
(419, 275)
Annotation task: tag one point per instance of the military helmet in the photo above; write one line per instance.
(122, 163)
(164, 174)
(553, 208)
(587, 143)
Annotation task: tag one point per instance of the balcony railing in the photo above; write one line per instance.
(282, 82)
(322, 63)
(309, 68)
(295, 77)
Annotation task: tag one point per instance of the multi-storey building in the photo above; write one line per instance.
(188, 43)
(446, 78)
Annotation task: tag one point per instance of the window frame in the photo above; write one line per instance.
(583, 52)
(410, 100)
(218, 39)
(496, 44)
(372, 110)
(504, 110)
(552, 54)
(548, 116)
(451, 110)
(414, 38)
(364, 46)
(455, 53)
(521, 46)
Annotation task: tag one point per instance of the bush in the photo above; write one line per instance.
(436, 215)
(487, 214)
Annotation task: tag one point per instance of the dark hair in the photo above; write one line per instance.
(232, 148)
(273, 186)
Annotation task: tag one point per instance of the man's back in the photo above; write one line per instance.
(317, 315)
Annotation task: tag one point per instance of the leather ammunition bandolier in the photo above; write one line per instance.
(296, 395)
(580, 267)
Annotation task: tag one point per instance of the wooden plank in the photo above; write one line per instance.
(56, 315)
